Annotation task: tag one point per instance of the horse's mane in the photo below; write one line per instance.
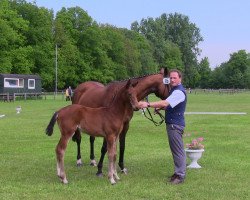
(121, 82)
(115, 86)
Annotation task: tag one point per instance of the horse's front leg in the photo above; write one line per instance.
(92, 152)
(122, 141)
(78, 138)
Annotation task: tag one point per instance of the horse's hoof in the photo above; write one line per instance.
(125, 171)
(93, 163)
(79, 163)
(99, 174)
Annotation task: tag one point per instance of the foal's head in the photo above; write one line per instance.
(131, 94)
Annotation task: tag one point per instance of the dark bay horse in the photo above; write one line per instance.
(94, 94)
(106, 122)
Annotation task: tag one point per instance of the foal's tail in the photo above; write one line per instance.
(49, 129)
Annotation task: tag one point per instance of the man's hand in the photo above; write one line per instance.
(143, 104)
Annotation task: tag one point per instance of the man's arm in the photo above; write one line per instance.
(174, 99)
(156, 104)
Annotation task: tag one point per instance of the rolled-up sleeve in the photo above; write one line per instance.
(175, 98)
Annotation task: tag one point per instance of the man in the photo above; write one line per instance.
(174, 106)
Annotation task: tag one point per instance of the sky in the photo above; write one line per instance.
(224, 24)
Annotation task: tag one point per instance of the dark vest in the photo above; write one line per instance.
(176, 115)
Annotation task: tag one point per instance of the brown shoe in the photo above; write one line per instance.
(177, 180)
(171, 178)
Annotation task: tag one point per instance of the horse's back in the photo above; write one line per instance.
(87, 90)
(94, 94)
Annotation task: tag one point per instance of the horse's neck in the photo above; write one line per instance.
(146, 86)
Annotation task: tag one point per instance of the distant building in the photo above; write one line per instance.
(20, 83)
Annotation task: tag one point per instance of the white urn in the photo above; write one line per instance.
(194, 155)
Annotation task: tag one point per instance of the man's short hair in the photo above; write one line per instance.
(177, 71)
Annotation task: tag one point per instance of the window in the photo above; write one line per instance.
(13, 83)
(21, 82)
(31, 83)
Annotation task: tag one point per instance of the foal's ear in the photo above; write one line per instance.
(134, 83)
(162, 70)
(131, 83)
(128, 84)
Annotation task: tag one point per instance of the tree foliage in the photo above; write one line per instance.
(234, 73)
(33, 37)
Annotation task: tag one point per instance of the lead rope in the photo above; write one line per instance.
(156, 111)
(151, 117)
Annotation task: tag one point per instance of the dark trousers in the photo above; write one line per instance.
(175, 133)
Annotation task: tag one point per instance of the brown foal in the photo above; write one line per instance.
(106, 122)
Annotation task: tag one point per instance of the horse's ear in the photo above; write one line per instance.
(165, 72)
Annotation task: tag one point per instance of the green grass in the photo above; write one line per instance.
(28, 164)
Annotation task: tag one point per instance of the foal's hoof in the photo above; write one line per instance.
(125, 171)
(64, 181)
(99, 174)
(113, 182)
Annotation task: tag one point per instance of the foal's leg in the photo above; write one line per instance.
(122, 141)
(60, 151)
(92, 153)
(111, 155)
(114, 164)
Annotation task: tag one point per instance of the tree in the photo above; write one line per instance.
(205, 73)
(187, 36)
(236, 68)
(178, 30)
(38, 52)
(173, 56)
(12, 41)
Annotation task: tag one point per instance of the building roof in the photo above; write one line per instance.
(32, 76)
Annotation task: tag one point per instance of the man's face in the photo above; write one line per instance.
(174, 79)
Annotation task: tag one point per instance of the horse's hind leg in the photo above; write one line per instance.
(122, 142)
(78, 138)
(100, 163)
(60, 151)
(92, 152)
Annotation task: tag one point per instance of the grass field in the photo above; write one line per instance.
(28, 165)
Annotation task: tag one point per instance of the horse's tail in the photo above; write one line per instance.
(49, 129)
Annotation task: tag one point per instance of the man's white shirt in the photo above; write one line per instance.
(175, 98)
